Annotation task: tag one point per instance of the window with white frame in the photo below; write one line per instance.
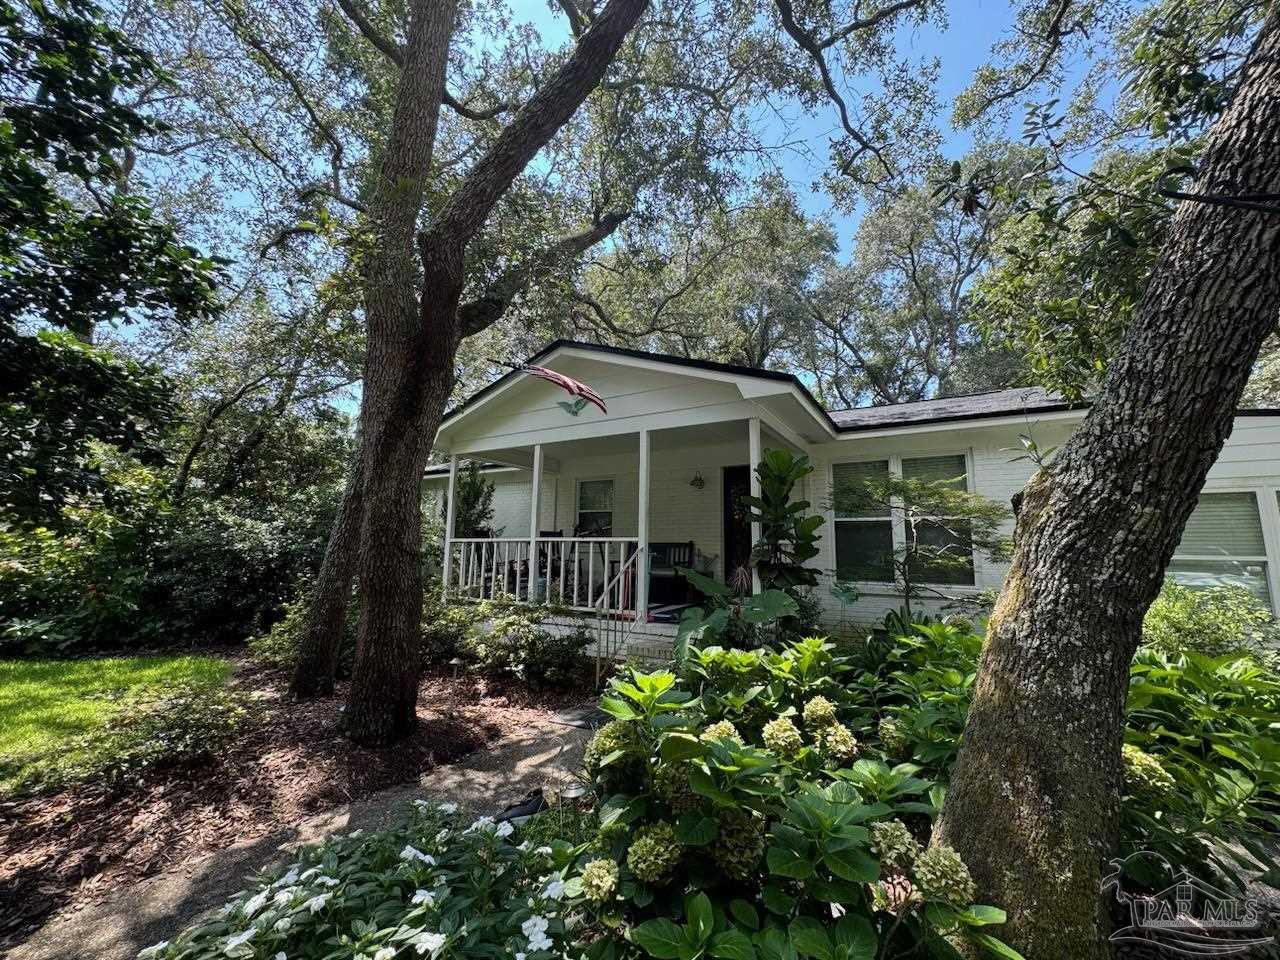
(865, 541)
(595, 508)
(946, 537)
(1223, 545)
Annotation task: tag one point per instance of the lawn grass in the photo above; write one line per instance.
(46, 706)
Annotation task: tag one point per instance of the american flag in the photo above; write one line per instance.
(573, 387)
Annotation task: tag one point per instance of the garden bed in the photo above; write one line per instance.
(286, 762)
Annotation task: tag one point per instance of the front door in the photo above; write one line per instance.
(737, 528)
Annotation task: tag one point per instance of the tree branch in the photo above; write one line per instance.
(485, 311)
(536, 123)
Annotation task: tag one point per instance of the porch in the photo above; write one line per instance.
(600, 525)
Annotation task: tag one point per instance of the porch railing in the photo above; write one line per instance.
(613, 627)
(589, 574)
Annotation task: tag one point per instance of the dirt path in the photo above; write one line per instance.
(155, 909)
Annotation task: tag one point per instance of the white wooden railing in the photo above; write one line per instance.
(614, 627)
(590, 574)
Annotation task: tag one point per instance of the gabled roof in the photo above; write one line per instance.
(977, 406)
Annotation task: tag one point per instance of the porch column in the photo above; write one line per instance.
(642, 532)
(753, 457)
(448, 523)
(534, 501)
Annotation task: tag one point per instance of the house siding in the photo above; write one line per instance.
(678, 512)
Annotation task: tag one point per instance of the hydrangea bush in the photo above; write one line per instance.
(741, 817)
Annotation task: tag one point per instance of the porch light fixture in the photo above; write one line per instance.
(697, 482)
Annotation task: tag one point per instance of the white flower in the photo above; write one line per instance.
(524, 846)
(283, 925)
(284, 896)
(424, 897)
(384, 953)
(309, 873)
(235, 945)
(326, 881)
(542, 852)
(449, 808)
(519, 955)
(317, 903)
(289, 878)
(555, 889)
(505, 829)
(427, 942)
(442, 836)
(483, 823)
(256, 903)
(540, 942)
(281, 956)
(153, 951)
(413, 853)
(534, 925)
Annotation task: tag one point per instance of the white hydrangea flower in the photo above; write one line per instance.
(384, 953)
(153, 951)
(281, 956)
(412, 853)
(309, 873)
(505, 829)
(442, 836)
(554, 890)
(326, 881)
(283, 924)
(424, 897)
(483, 823)
(449, 808)
(542, 852)
(284, 896)
(317, 903)
(428, 942)
(523, 846)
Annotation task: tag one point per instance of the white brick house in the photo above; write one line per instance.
(597, 498)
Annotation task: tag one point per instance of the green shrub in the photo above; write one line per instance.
(1202, 728)
(185, 726)
(428, 886)
(1212, 621)
(506, 639)
(278, 647)
(725, 841)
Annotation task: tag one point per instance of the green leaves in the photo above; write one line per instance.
(659, 938)
(695, 829)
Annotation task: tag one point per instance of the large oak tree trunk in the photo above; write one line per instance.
(1034, 799)
(413, 341)
(327, 614)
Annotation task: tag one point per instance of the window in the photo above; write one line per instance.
(948, 540)
(1223, 545)
(595, 508)
(864, 541)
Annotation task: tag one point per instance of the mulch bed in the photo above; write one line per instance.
(290, 762)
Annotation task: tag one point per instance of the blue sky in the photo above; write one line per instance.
(973, 27)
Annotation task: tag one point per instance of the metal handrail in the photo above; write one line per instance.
(612, 627)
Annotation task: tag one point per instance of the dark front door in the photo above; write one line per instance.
(737, 528)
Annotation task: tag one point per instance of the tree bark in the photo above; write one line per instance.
(317, 662)
(413, 342)
(1034, 800)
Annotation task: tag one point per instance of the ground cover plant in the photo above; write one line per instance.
(62, 719)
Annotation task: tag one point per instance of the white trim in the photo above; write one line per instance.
(897, 523)
(577, 501)
(535, 501)
(754, 453)
(449, 520)
(642, 528)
